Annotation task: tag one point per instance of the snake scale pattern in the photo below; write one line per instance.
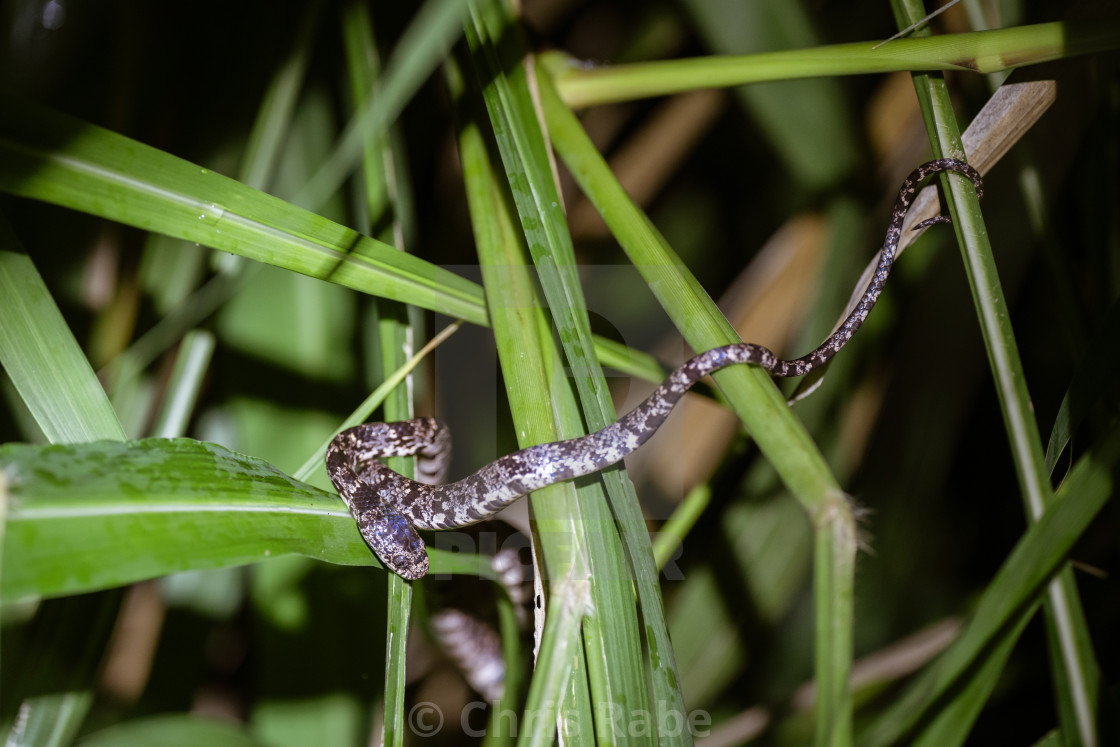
(390, 508)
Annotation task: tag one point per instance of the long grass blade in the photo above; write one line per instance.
(417, 53)
(953, 723)
(184, 385)
(51, 157)
(612, 637)
(527, 356)
(69, 405)
(1020, 582)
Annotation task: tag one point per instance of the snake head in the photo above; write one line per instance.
(395, 541)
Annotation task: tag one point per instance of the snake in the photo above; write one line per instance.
(389, 508)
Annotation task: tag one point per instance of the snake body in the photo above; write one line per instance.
(389, 507)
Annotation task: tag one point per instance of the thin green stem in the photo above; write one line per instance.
(979, 51)
(1074, 665)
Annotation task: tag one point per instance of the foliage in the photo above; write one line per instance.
(392, 172)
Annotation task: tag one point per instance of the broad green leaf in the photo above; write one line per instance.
(97, 515)
(59, 389)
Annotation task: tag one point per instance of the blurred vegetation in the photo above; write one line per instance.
(391, 122)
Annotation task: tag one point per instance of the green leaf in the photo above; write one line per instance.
(69, 404)
(751, 394)
(58, 386)
(535, 391)
(97, 515)
(171, 731)
(49, 156)
(1020, 582)
(954, 723)
(807, 123)
(612, 632)
(417, 53)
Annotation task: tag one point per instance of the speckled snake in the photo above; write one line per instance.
(390, 508)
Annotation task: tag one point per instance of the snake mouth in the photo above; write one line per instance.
(410, 569)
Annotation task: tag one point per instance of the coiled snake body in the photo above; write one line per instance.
(389, 508)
